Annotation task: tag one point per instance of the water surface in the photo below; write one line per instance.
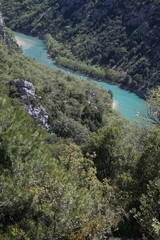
(127, 103)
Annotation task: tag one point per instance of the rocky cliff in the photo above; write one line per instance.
(30, 100)
(2, 26)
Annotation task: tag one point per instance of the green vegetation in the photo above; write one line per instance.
(110, 40)
(43, 197)
(93, 174)
(65, 58)
(81, 104)
(49, 189)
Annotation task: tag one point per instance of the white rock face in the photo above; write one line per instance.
(1, 17)
(38, 112)
(1, 20)
(27, 89)
(2, 25)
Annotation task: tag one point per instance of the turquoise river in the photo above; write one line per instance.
(128, 104)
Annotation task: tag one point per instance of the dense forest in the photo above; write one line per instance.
(117, 41)
(76, 170)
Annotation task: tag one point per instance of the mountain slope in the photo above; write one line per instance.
(81, 104)
(49, 187)
(45, 195)
(120, 36)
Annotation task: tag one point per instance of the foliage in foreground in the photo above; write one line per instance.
(43, 198)
(45, 195)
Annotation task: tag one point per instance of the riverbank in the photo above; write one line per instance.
(114, 105)
(141, 94)
(127, 103)
(25, 45)
(64, 57)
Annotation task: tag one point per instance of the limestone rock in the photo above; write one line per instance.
(1, 20)
(36, 110)
(25, 88)
(2, 25)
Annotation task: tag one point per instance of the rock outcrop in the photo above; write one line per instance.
(25, 88)
(1, 18)
(2, 25)
(31, 101)
(38, 112)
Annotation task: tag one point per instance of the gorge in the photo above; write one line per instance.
(127, 103)
(72, 168)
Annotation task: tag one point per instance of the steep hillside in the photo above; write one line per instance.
(53, 189)
(43, 193)
(122, 37)
(72, 108)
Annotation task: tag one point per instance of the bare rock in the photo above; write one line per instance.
(36, 110)
(39, 112)
(1, 20)
(25, 88)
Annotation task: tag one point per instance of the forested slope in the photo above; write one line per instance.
(91, 174)
(122, 37)
(48, 189)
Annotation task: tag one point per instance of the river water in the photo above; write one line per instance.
(128, 104)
